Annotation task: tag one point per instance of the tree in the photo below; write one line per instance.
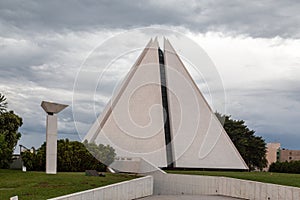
(3, 103)
(72, 156)
(4, 150)
(105, 154)
(251, 147)
(9, 136)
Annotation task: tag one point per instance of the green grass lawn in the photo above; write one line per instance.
(38, 185)
(266, 177)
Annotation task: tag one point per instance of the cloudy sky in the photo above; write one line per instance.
(254, 46)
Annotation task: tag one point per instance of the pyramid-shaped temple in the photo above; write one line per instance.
(159, 114)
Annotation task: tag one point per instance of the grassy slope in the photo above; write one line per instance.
(38, 185)
(276, 178)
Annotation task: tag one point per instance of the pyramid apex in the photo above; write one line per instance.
(155, 43)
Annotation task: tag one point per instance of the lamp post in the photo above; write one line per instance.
(51, 134)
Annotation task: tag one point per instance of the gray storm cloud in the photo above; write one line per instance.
(43, 44)
(254, 18)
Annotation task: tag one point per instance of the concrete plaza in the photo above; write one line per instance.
(187, 197)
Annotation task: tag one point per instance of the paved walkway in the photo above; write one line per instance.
(186, 197)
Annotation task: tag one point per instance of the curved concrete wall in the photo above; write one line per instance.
(175, 184)
(133, 189)
(172, 184)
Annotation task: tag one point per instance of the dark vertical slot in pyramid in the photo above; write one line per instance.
(164, 97)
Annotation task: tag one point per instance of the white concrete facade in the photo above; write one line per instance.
(199, 139)
(133, 121)
(127, 190)
(51, 144)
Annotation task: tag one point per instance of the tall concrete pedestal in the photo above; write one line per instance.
(51, 144)
(51, 134)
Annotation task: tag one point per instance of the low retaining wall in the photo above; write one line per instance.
(175, 184)
(126, 190)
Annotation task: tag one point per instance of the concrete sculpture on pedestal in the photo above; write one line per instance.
(159, 114)
(51, 134)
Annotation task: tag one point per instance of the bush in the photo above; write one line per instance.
(285, 167)
(72, 156)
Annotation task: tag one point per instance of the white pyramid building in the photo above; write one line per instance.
(159, 114)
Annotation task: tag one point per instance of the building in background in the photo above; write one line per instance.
(275, 153)
(289, 155)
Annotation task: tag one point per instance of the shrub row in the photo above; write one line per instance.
(285, 167)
